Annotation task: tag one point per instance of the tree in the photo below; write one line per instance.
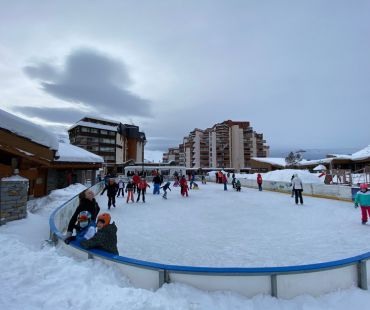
(294, 158)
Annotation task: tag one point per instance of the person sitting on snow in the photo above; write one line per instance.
(105, 238)
(85, 228)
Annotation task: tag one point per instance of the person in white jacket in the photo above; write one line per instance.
(298, 189)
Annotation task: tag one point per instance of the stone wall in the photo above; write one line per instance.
(13, 198)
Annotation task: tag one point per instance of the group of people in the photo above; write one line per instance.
(92, 230)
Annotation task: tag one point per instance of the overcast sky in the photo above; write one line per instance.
(299, 71)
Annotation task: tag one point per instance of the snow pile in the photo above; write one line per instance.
(36, 277)
(71, 153)
(271, 160)
(362, 154)
(54, 199)
(26, 129)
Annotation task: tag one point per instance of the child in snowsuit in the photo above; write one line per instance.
(165, 188)
(362, 199)
(184, 186)
(238, 186)
(130, 191)
(105, 238)
(141, 189)
(85, 228)
(121, 188)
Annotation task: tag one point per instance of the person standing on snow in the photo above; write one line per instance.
(298, 189)
(362, 199)
(112, 189)
(157, 184)
(121, 188)
(141, 189)
(87, 203)
(184, 187)
(130, 191)
(259, 182)
(224, 180)
(135, 181)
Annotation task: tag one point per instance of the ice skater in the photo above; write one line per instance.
(130, 191)
(121, 188)
(184, 187)
(298, 189)
(238, 186)
(259, 182)
(165, 188)
(141, 189)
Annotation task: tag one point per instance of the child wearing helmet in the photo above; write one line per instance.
(362, 199)
(85, 228)
(106, 236)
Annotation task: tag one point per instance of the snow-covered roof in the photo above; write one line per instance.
(26, 129)
(276, 161)
(362, 154)
(93, 125)
(71, 153)
(319, 168)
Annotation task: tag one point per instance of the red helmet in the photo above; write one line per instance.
(105, 218)
(364, 186)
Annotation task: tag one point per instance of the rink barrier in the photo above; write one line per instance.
(336, 192)
(282, 282)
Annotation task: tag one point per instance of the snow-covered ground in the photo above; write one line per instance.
(229, 229)
(34, 276)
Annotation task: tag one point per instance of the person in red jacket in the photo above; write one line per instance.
(224, 180)
(184, 186)
(136, 181)
(141, 189)
(259, 182)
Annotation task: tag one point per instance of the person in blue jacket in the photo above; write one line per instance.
(85, 228)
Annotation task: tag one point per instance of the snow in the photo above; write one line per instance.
(319, 168)
(71, 153)
(362, 154)
(271, 160)
(14, 178)
(34, 275)
(94, 125)
(26, 129)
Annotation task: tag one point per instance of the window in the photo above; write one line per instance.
(85, 129)
(112, 133)
(106, 149)
(94, 130)
(103, 132)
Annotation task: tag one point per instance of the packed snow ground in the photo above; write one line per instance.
(218, 228)
(36, 276)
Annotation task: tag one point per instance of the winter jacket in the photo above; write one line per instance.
(183, 182)
(85, 205)
(121, 184)
(362, 199)
(259, 179)
(112, 189)
(85, 233)
(143, 184)
(224, 179)
(105, 239)
(129, 186)
(297, 183)
(136, 179)
(157, 180)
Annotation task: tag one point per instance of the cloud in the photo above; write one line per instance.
(93, 79)
(58, 115)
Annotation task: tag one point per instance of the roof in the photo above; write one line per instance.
(26, 129)
(275, 161)
(71, 153)
(93, 125)
(362, 154)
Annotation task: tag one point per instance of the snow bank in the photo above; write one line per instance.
(14, 178)
(28, 130)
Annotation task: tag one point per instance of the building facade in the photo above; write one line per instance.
(225, 145)
(117, 143)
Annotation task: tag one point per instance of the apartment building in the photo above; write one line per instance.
(228, 144)
(115, 142)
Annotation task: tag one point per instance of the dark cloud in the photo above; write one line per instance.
(94, 79)
(58, 115)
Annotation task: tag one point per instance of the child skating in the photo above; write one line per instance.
(362, 199)
(165, 188)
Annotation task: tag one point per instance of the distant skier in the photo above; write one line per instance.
(165, 188)
(362, 199)
(259, 182)
(298, 189)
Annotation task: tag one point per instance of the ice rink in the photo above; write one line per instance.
(218, 228)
